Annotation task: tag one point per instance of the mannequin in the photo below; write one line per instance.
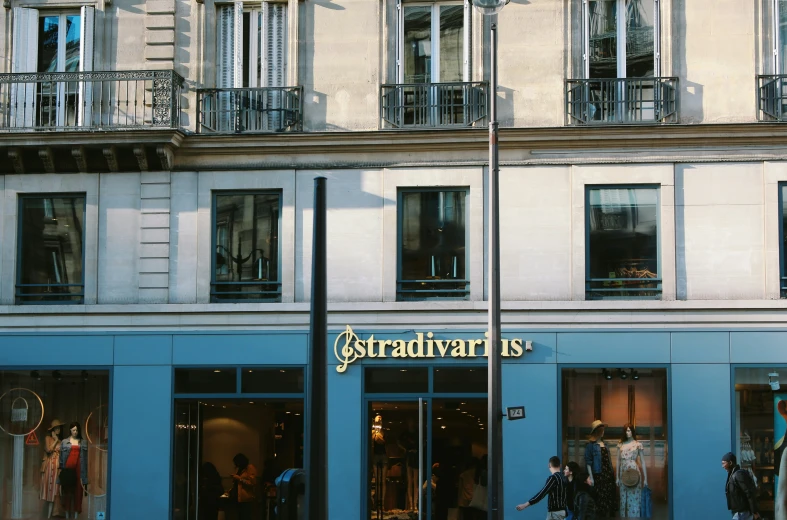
(781, 466)
(73, 457)
(602, 474)
(379, 460)
(50, 468)
(409, 443)
(629, 454)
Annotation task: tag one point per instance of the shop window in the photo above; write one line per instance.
(622, 243)
(432, 245)
(272, 380)
(50, 243)
(246, 228)
(206, 380)
(761, 416)
(599, 406)
(452, 380)
(783, 239)
(39, 410)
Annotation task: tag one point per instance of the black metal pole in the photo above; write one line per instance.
(495, 390)
(317, 463)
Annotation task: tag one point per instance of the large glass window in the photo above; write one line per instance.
(229, 450)
(622, 243)
(51, 255)
(617, 51)
(783, 238)
(432, 245)
(614, 421)
(246, 247)
(54, 422)
(433, 43)
(761, 417)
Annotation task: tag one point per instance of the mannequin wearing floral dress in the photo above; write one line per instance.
(50, 489)
(629, 453)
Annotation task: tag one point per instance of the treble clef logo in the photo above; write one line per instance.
(347, 354)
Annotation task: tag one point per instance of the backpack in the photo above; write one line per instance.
(742, 480)
(584, 506)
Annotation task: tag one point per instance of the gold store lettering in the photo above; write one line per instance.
(349, 348)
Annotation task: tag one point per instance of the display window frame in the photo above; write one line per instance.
(237, 395)
(735, 440)
(781, 187)
(109, 370)
(562, 367)
(428, 397)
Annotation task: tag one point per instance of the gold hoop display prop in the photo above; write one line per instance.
(21, 412)
(97, 427)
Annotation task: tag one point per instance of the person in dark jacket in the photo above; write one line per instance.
(571, 472)
(584, 498)
(740, 490)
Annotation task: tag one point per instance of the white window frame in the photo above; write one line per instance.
(435, 67)
(620, 6)
(776, 40)
(258, 14)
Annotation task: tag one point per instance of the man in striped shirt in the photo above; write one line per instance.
(555, 488)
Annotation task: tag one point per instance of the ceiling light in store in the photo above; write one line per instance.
(634, 375)
(57, 375)
(250, 371)
(288, 412)
(282, 371)
(606, 374)
(217, 371)
(35, 374)
(622, 374)
(403, 370)
(442, 427)
(251, 402)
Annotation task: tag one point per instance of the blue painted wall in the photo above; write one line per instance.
(701, 434)
(345, 444)
(140, 479)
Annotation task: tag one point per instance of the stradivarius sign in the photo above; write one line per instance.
(349, 348)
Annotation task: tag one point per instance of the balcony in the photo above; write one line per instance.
(635, 101)
(771, 98)
(433, 105)
(250, 110)
(112, 100)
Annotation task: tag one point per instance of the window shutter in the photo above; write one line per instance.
(468, 43)
(85, 104)
(226, 50)
(24, 59)
(657, 38)
(275, 44)
(585, 39)
(399, 42)
(237, 79)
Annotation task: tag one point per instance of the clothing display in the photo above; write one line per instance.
(50, 489)
(72, 493)
(604, 482)
(630, 496)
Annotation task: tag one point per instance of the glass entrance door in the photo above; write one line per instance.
(425, 457)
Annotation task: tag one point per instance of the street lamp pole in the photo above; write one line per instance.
(495, 407)
(495, 389)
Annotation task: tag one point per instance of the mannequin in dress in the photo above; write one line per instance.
(379, 459)
(73, 456)
(408, 441)
(781, 465)
(602, 474)
(50, 466)
(629, 454)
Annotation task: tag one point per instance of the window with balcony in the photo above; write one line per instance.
(772, 95)
(246, 229)
(252, 94)
(434, 87)
(432, 245)
(622, 243)
(52, 85)
(50, 241)
(620, 55)
(783, 239)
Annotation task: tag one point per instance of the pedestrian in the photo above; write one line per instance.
(584, 498)
(740, 490)
(555, 488)
(571, 472)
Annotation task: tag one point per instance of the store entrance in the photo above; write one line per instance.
(219, 439)
(425, 455)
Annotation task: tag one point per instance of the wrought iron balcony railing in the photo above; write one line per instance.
(621, 101)
(90, 100)
(237, 110)
(772, 98)
(433, 105)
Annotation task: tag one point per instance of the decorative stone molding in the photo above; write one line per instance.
(142, 158)
(15, 155)
(79, 156)
(111, 156)
(45, 154)
(166, 156)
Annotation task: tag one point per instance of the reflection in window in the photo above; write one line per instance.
(50, 241)
(783, 222)
(246, 241)
(622, 242)
(761, 417)
(432, 252)
(433, 58)
(637, 55)
(619, 398)
(59, 46)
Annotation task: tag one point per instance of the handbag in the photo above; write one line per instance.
(629, 477)
(479, 500)
(19, 414)
(646, 510)
(68, 477)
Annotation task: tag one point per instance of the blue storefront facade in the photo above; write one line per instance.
(695, 419)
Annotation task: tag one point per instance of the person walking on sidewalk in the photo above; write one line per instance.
(740, 490)
(555, 488)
